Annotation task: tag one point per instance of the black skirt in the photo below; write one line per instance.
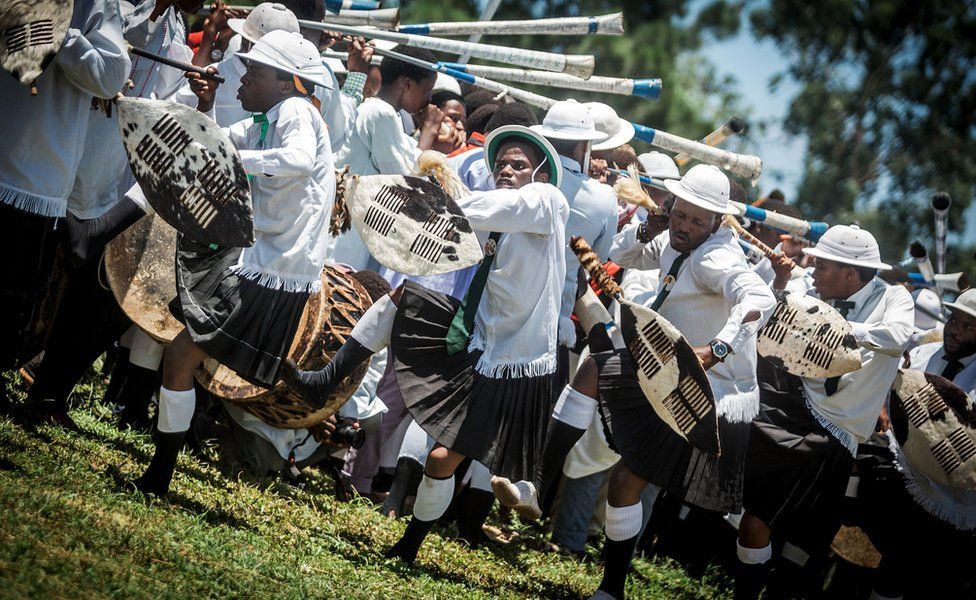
(245, 326)
(500, 422)
(796, 471)
(653, 451)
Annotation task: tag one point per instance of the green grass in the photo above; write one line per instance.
(69, 529)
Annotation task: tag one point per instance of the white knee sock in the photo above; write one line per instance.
(624, 522)
(176, 410)
(753, 556)
(574, 408)
(145, 352)
(375, 327)
(126, 340)
(433, 497)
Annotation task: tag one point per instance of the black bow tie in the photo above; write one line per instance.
(952, 368)
(843, 307)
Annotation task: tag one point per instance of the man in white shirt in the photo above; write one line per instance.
(920, 525)
(593, 206)
(804, 440)
(89, 320)
(41, 142)
(718, 303)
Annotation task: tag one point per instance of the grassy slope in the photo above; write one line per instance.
(69, 529)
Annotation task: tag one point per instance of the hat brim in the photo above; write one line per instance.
(674, 186)
(962, 308)
(555, 134)
(497, 137)
(624, 134)
(866, 264)
(237, 26)
(319, 78)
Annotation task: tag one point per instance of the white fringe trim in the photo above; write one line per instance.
(275, 281)
(955, 506)
(842, 436)
(533, 368)
(741, 407)
(45, 206)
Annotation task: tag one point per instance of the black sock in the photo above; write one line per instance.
(472, 513)
(383, 480)
(406, 549)
(86, 238)
(317, 386)
(138, 390)
(406, 478)
(157, 477)
(616, 564)
(560, 439)
(117, 379)
(787, 580)
(749, 580)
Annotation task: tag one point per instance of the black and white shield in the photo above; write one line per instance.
(189, 170)
(670, 375)
(934, 422)
(31, 33)
(808, 338)
(411, 225)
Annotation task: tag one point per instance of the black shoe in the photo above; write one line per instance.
(316, 386)
(36, 413)
(155, 481)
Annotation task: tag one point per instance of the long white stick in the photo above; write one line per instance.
(612, 24)
(643, 88)
(574, 64)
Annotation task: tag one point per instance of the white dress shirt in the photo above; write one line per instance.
(517, 318)
(882, 321)
(292, 192)
(715, 289)
(377, 143)
(104, 174)
(593, 217)
(930, 358)
(42, 137)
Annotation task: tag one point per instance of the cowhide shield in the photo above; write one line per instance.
(31, 33)
(670, 375)
(411, 225)
(934, 422)
(140, 265)
(189, 170)
(808, 338)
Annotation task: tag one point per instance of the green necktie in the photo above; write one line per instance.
(261, 118)
(669, 281)
(459, 333)
(843, 307)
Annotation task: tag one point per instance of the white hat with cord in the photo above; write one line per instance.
(849, 245)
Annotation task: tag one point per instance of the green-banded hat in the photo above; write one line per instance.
(499, 136)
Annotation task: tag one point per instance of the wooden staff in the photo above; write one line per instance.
(731, 222)
(169, 62)
(734, 126)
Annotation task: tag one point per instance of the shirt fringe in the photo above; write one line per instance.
(842, 436)
(738, 408)
(44, 206)
(277, 282)
(958, 511)
(544, 365)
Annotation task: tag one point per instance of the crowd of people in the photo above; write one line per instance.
(481, 384)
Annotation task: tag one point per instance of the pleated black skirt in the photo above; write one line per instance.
(500, 422)
(245, 326)
(653, 451)
(795, 470)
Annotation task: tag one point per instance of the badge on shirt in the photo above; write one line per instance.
(490, 247)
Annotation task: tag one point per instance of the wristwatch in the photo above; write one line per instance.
(720, 349)
(216, 55)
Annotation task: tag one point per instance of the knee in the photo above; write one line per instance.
(440, 463)
(753, 532)
(586, 379)
(625, 487)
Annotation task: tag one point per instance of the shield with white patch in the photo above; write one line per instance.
(31, 33)
(189, 170)
(807, 337)
(411, 225)
(670, 375)
(934, 422)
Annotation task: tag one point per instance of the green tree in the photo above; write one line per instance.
(888, 104)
